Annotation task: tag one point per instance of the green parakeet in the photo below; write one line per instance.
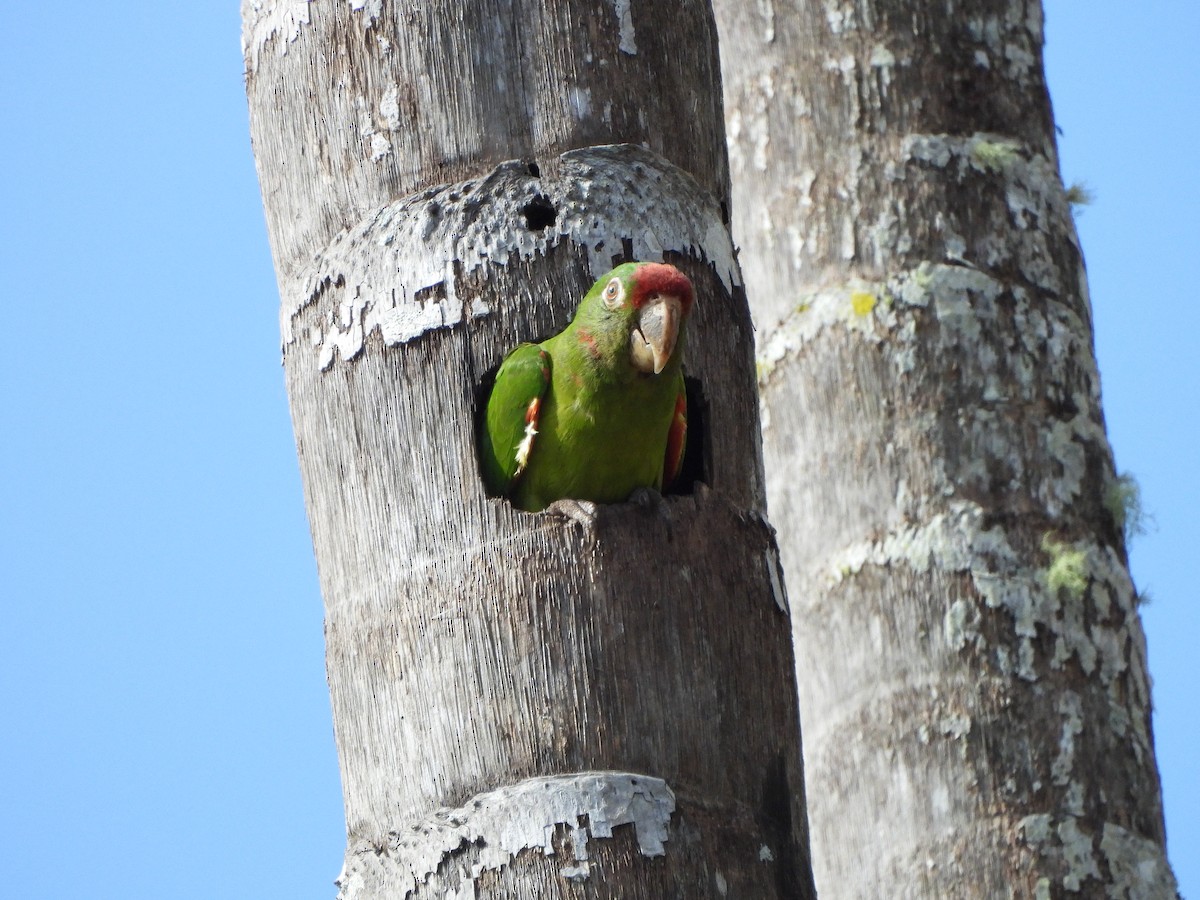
(600, 409)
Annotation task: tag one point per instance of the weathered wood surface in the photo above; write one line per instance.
(440, 185)
(975, 726)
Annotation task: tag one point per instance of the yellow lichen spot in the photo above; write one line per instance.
(803, 306)
(995, 156)
(863, 303)
(1067, 569)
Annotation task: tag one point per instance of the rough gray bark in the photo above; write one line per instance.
(441, 183)
(972, 666)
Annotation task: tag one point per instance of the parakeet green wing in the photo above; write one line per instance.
(513, 411)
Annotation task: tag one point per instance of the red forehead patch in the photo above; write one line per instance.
(661, 278)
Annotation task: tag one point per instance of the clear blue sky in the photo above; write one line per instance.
(166, 727)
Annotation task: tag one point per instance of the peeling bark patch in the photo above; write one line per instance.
(264, 20)
(508, 820)
(611, 201)
(371, 10)
(628, 43)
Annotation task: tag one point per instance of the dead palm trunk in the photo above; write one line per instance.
(971, 663)
(439, 185)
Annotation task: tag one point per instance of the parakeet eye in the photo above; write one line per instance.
(614, 293)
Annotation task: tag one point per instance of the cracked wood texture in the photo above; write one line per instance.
(441, 181)
(972, 671)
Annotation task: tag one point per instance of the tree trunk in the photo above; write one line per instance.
(442, 181)
(972, 666)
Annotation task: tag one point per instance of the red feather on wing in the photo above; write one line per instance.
(676, 441)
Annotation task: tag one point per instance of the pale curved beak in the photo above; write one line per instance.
(653, 338)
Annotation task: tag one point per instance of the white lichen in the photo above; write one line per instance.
(961, 625)
(1078, 854)
(389, 107)
(1021, 59)
(1035, 829)
(955, 726)
(1070, 707)
(766, 12)
(840, 16)
(380, 147)
(1016, 343)
(1037, 201)
(957, 541)
(860, 306)
(1136, 866)
(882, 57)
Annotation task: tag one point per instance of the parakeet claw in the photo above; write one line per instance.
(646, 497)
(581, 512)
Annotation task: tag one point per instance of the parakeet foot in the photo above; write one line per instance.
(581, 512)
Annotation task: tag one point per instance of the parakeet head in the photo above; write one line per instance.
(634, 316)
